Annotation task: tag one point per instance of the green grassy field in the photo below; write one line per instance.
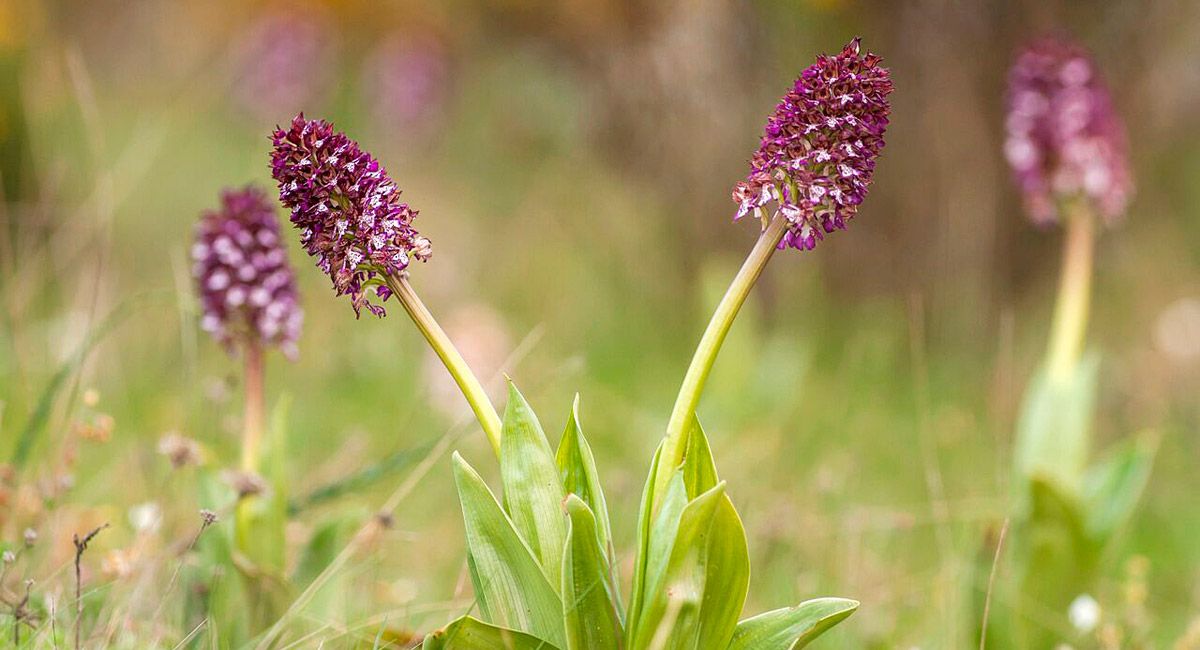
(574, 179)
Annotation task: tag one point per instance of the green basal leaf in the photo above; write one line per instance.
(1054, 430)
(645, 513)
(726, 566)
(533, 491)
(589, 596)
(675, 570)
(510, 587)
(577, 470)
(1053, 508)
(660, 539)
(1053, 554)
(262, 519)
(1112, 487)
(726, 560)
(791, 628)
(699, 470)
(469, 633)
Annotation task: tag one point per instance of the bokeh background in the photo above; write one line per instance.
(572, 161)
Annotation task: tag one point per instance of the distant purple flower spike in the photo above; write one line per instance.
(816, 159)
(283, 60)
(406, 82)
(247, 289)
(347, 209)
(1063, 137)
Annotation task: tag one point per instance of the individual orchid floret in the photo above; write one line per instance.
(1064, 139)
(246, 286)
(347, 209)
(818, 153)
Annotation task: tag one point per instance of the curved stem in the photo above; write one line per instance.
(706, 352)
(444, 348)
(1074, 292)
(255, 409)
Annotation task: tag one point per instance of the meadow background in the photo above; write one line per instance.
(572, 162)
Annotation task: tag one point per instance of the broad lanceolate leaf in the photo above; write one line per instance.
(1052, 554)
(675, 571)
(1112, 487)
(645, 513)
(577, 470)
(791, 628)
(726, 560)
(533, 492)
(726, 566)
(589, 596)
(699, 469)
(1054, 431)
(469, 633)
(511, 588)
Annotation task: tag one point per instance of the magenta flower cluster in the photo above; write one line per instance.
(246, 286)
(816, 159)
(347, 209)
(1064, 139)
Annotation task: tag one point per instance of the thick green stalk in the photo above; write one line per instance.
(1074, 292)
(255, 407)
(706, 352)
(444, 348)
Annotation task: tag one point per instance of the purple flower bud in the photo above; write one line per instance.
(1064, 139)
(247, 290)
(818, 153)
(347, 209)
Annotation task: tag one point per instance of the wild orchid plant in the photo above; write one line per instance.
(1067, 148)
(249, 305)
(542, 559)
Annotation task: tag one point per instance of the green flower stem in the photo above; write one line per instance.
(459, 370)
(1074, 292)
(253, 430)
(706, 353)
(255, 410)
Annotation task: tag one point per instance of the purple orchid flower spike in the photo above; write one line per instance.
(347, 208)
(817, 156)
(247, 288)
(1064, 139)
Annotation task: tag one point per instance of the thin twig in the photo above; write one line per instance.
(20, 614)
(987, 599)
(207, 518)
(81, 546)
(53, 606)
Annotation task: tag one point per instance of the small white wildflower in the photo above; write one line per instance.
(145, 517)
(1084, 613)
